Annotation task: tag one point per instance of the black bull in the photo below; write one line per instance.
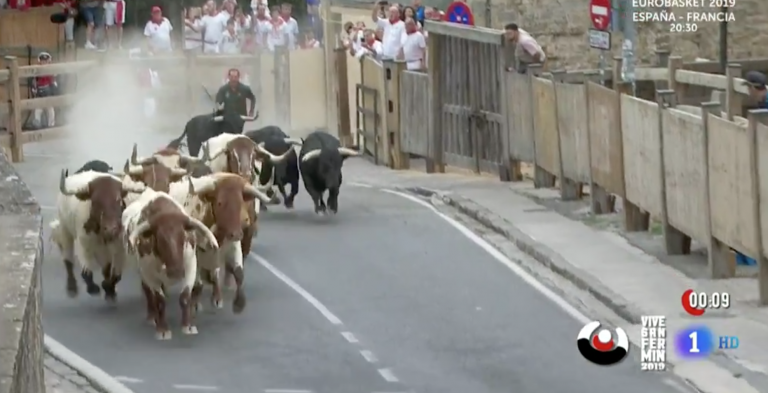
(320, 161)
(203, 127)
(286, 172)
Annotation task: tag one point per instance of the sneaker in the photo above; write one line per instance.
(89, 45)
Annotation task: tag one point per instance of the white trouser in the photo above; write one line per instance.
(49, 112)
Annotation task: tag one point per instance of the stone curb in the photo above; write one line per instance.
(541, 253)
(98, 379)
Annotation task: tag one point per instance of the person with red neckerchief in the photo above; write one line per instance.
(414, 46)
(278, 32)
(393, 29)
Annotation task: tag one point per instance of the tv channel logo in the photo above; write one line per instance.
(601, 348)
(695, 342)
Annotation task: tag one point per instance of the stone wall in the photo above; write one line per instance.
(561, 27)
(21, 255)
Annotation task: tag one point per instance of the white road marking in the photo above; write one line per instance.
(196, 387)
(89, 371)
(500, 257)
(350, 337)
(369, 356)
(286, 391)
(331, 317)
(356, 184)
(388, 375)
(125, 379)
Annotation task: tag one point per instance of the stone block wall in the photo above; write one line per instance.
(21, 256)
(561, 28)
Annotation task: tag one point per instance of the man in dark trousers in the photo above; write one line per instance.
(234, 94)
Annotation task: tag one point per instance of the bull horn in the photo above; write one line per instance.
(347, 152)
(179, 172)
(144, 161)
(294, 141)
(204, 230)
(218, 118)
(256, 193)
(310, 155)
(63, 186)
(191, 189)
(207, 153)
(273, 158)
(220, 106)
(133, 187)
(185, 159)
(138, 231)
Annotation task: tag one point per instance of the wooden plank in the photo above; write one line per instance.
(47, 102)
(605, 138)
(640, 133)
(471, 33)
(55, 68)
(572, 125)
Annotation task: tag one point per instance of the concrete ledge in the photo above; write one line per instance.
(21, 256)
(539, 252)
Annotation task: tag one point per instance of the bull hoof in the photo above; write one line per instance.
(110, 297)
(198, 307)
(189, 330)
(238, 305)
(93, 290)
(217, 303)
(72, 288)
(275, 200)
(163, 335)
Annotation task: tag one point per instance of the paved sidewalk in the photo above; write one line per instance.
(603, 262)
(60, 378)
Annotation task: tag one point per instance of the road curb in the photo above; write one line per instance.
(538, 251)
(99, 379)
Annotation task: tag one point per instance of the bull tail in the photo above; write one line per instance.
(57, 234)
(176, 143)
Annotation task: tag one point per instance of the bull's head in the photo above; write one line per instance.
(329, 162)
(106, 195)
(165, 235)
(169, 157)
(241, 154)
(230, 122)
(154, 174)
(226, 196)
(282, 146)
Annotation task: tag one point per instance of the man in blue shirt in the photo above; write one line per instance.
(756, 81)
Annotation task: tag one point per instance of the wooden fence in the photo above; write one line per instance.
(682, 148)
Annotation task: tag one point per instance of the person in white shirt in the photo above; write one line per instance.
(370, 46)
(292, 27)
(227, 10)
(242, 23)
(262, 25)
(213, 28)
(229, 43)
(414, 46)
(158, 32)
(193, 26)
(394, 30)
(309, 41)
(278, 32)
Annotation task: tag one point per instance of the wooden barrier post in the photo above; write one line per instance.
(674, 64)
(676, 242)
(342, 97)
(392, 71)
(434, 69)
(14, 109)
(719, 261)
(757, 116)
(662, 60)
(541, 178)
(635, 219)
(569, 189)
(282, 86)
(733, 102)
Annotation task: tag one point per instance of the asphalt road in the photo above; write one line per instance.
(408, 304)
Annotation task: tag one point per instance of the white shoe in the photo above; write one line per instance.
(89, 45)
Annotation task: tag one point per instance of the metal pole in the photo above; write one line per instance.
(628, 46)
(601, 67)
(724, 42)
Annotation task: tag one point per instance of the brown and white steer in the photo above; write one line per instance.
(89, 228)
(167, 156)
(161, 241)
(217, 200)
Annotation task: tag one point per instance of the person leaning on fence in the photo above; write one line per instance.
(158, 32)
(193, 26)
(414, 46)
(394, 30)
(229, 42)
(278, 33)
(44, 86)
(292, 26)
(370, 46)
(756, 82)
(213, 24)
(262, 25)
(527, 50)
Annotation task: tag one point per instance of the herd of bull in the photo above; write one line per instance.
(180, 218)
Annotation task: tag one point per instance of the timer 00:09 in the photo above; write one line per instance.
(712, 301)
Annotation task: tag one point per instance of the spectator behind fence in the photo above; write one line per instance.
(527, 50)
(292, 26)
(421, 12)
(229, 43)
(242, 22)
(44, 86)
(309, 40)
(214, 25)
(114, 18)
(393, 30)
(414, 46)
(193, 29)
(262, 25)
(756, 83)
(370, 46)
(158, 32)
(227, 10)
(278, 33)
(410, 12)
